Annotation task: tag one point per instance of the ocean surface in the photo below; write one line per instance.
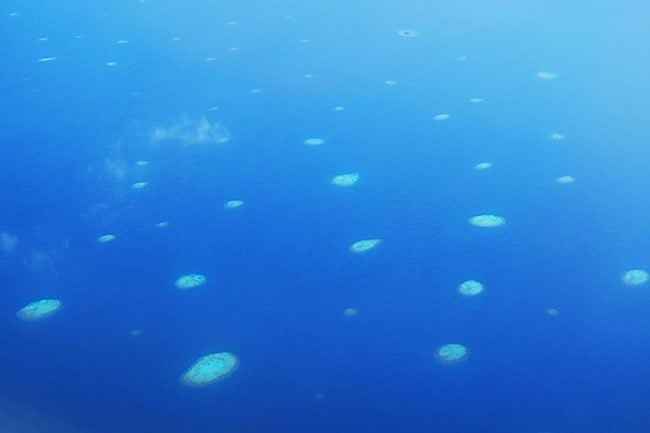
(142, 141)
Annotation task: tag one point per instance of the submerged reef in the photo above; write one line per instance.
(470, 288)
(364, 245)
(39, 310)
(190, 281)
(451, 353)
(487, 221)
(347, 179)
(209, 369)
(635, 277)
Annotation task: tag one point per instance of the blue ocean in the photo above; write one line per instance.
(282, 216)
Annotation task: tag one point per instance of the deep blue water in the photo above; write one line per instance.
(279, 273)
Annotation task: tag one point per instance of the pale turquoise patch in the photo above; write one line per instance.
(452, 352)
(347, 179)
(364, 245)
(314, 141)
(190, 281)
(470, 288)
(209, 369)
(565, 179)
(106, 238)
(487, 220)
(231, 204)
(39, 310)
(635, 277)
